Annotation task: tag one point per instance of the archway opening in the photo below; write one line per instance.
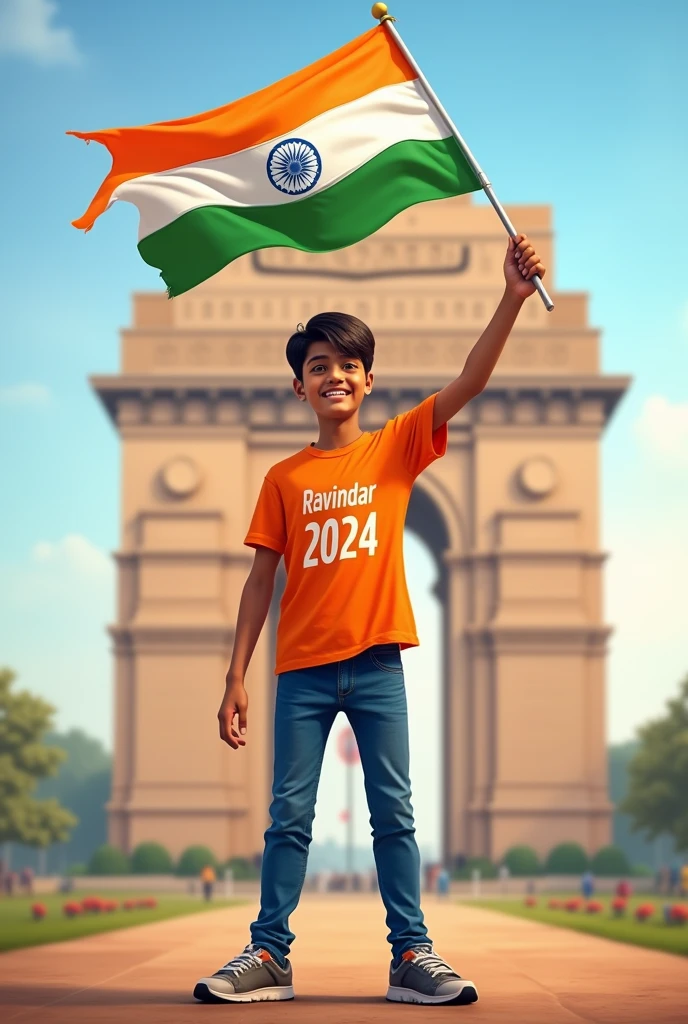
(425, 541)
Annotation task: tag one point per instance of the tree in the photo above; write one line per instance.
(194, 859)
(610, 861)
(658, 774)
(151, 859)
(82, 785)
(638, 848)
(108, 860)
(521, 860)
(567, 859)
(24, 760)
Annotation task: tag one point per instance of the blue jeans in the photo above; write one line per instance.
(369, 688)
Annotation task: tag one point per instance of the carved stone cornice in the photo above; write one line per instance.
(266, 401)
(493, 558)
(416, 345)
(590, 640)
(182, 555)
(172, 639)
(375, 257)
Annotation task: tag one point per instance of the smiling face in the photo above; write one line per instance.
(334, 385)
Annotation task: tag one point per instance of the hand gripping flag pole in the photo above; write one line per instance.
(379, 11)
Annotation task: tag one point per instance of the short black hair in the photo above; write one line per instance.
(349, 336)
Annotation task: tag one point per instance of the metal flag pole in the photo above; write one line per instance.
(379, 12)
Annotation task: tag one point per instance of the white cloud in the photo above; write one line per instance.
(73, 553)
(29, 393)
(71, 570)
(663, 429)
(27, 29)
(644, 587)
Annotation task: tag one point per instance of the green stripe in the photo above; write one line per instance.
(201, 242)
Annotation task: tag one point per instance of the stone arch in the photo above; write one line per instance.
(434, 516)
(519, 583)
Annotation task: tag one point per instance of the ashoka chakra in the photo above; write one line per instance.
(294, 166)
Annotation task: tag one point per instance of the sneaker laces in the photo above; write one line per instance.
(248, 958)
(428, 960)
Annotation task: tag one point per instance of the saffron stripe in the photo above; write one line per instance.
(368, 62)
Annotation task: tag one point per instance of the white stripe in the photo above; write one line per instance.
(346, 137)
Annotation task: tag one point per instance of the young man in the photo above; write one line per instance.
(336, 512)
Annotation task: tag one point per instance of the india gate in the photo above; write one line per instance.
(204, 406)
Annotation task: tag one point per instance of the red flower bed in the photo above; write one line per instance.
(555, 904)
(644, 911)
(594, 907)
(129, 904)
(573, 905)
(679, 913)
(150, 903)
(38, 911)
(109, 906)
(92, 904)
(72, 908)
(530, 901)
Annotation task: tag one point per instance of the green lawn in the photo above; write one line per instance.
(18, 929)
(653, 933)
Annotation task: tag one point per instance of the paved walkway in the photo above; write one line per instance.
(526, 973)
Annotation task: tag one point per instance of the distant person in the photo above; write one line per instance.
(684, 880)
(587, 884)
(503, 878)
(335, 510)
(208, 878)
(443, 883)
(674, 879)
(623, 889)
(26, 880)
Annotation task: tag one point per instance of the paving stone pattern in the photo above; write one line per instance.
(526, 973)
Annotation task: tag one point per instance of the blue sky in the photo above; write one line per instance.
(580, 106)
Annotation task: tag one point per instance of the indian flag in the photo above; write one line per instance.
(317, 161)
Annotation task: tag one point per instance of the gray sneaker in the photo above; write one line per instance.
(423, 977)
(252, 977)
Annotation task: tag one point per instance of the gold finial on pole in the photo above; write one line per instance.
(379, 12)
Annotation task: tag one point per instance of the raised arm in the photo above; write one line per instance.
(520, 264)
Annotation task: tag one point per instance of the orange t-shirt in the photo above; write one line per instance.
(338, 519)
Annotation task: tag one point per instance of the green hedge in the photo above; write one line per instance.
(521, 861)
(610, 861)
(483, 864)
(108, 860)
(151, 859)
(567, 859)
(194, 859)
